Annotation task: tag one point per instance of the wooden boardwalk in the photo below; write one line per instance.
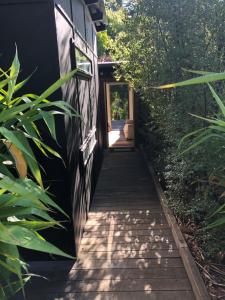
(127, 250)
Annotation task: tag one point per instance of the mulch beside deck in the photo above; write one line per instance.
(127, 251)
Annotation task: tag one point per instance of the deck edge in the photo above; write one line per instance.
(191, 268)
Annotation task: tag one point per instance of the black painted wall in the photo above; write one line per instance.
(43, 31)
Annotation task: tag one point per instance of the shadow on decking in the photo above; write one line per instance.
(113, 263)
(127, 250)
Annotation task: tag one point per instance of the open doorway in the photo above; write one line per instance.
(120, 115)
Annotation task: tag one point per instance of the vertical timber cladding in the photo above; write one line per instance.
(31, 26)
(77, 46)
(47, 33)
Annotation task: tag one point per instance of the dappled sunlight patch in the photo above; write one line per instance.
(148, 288)
(114, 136)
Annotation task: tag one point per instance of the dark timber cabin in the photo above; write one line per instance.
(52, 38)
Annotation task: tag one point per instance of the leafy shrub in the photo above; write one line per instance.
(214, 133)
(25, 206)
(157, 44)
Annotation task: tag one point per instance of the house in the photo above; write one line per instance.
(52, 38)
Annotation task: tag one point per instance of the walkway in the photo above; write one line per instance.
(127, 250)
(116, 136)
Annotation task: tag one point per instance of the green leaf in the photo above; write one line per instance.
(197, 72)
(219, 222)
(55, 86)
(49, 121)
(218, 100)
(28, 188)
(191, 134)
(35, 225)
(18, 139)
(213, 121)
(202, 140)
(198, 80)
(29, 239)
(3, 83)
(14, 138)
(22, 83)
(24, 212)
(14, 72)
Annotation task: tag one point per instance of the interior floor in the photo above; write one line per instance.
(116, 136)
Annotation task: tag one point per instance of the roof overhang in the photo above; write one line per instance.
(108, 64)
(98, 13)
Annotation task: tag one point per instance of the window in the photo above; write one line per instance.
(82, 62)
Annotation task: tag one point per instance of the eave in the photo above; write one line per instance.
(98, 13)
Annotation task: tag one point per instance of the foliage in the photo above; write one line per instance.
(119, 107)
(113, 5)
(214, 133)
(115, 14)
(157, 44)
(25, 206)
(119, 102)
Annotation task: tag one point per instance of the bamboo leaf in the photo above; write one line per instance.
(55, 86)
(202, 140)
(29, 239)
(49, 121)
(14, 72)
(219, 222)
(191, 134)
(198, 80)
(197, 72)
(218, 100)
(213, 121)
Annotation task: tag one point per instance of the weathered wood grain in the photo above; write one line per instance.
(127, 251)
(146, 295)
(127, 246)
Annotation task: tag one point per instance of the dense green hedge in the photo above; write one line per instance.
(160, 40)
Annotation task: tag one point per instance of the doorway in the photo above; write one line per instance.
(120, 115)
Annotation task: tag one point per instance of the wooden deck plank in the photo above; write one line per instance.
(125, 216)
(128, 263)
(125, 227)
(124, 212)
(127, 246)
(154, 295)
(121, 254)
(153, 219)
(123, 234)
(123, 208)
(128, 239)
(113, 285)
(127, 251)
(169, 272)
(124, 204)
